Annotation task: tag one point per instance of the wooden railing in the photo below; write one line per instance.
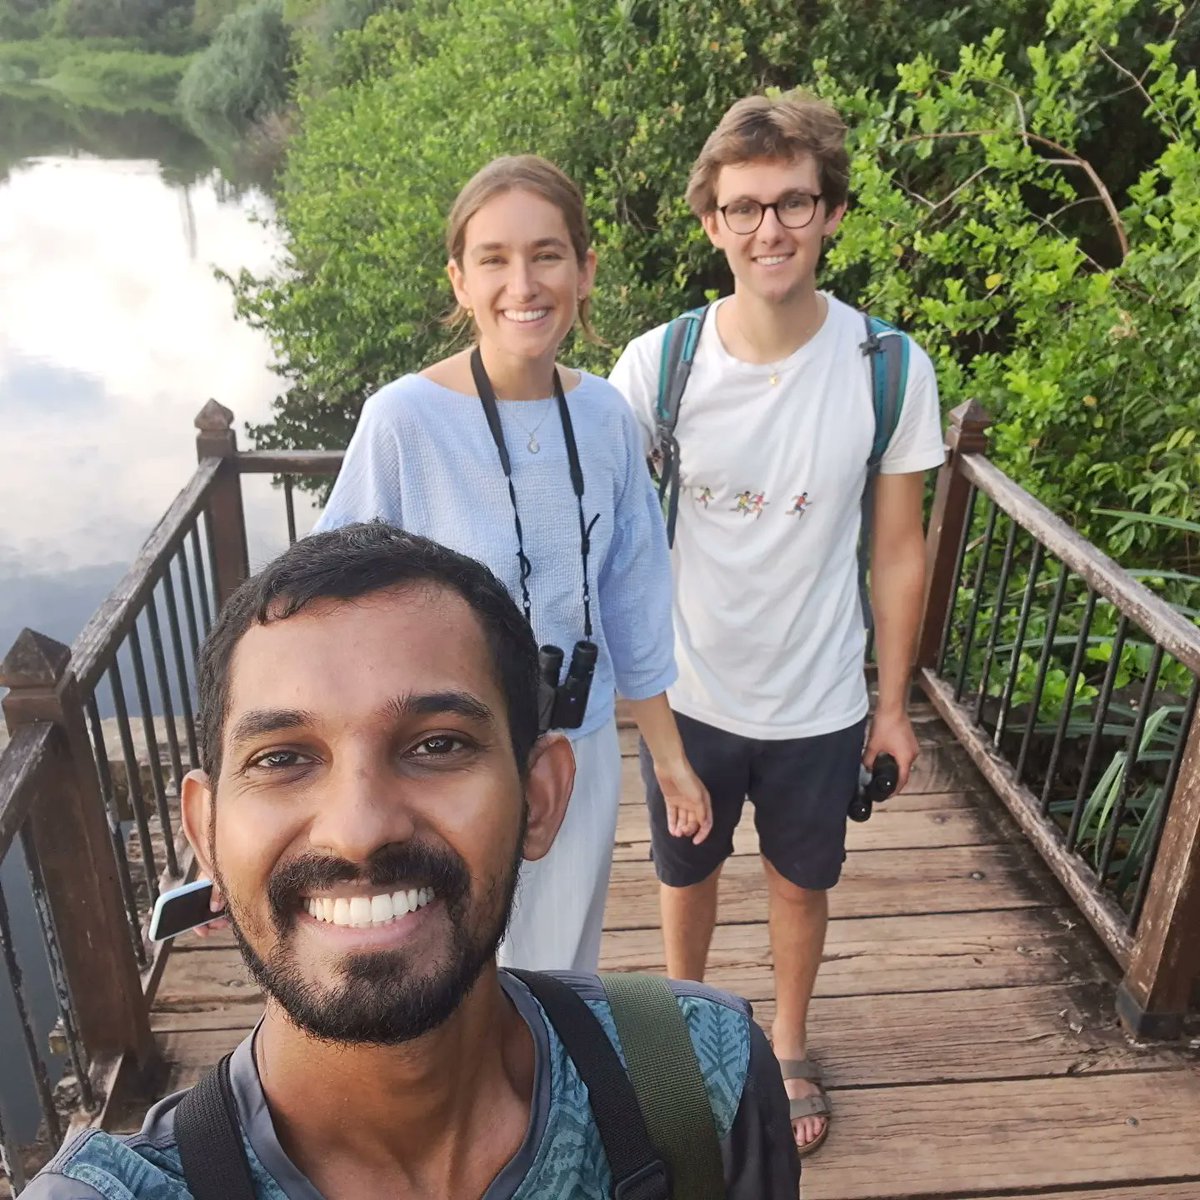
(98, 843)
(1074, 689)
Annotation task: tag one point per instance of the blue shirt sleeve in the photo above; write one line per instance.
(635, 582)
(368, 485)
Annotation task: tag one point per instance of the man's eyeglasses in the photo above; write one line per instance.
(794, 210)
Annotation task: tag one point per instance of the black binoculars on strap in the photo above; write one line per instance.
(562, 705)
(875, 786)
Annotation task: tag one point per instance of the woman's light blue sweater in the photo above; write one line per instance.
(423, 458)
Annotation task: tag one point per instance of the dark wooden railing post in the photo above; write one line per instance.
(1164, 966)
(967, 435)
(70, 835)
(231, 559)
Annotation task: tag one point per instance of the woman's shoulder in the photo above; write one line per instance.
(403, 399)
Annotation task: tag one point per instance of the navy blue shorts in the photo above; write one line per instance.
(801, 790)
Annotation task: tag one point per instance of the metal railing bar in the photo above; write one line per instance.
(189, 601)
(201, 579)
(1102, 702)
(960, 558)
(989, 655)
(1010, 683)
(1149, 686)
(101, 635)
(976, 600)
(134, 776)
(41, 1078)
(1060, 592)
(1189, 716)
(108, 794)
(66, 1004)
(210, 535)
(10, 1159)
(151, 736)
(1174, 632)
(289, 503)
(164, 691)
(1068, 702)
(181, 674)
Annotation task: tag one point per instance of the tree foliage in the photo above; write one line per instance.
(1026, 202)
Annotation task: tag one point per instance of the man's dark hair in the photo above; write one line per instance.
(354, 561)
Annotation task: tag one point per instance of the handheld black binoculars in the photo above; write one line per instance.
(876, 787)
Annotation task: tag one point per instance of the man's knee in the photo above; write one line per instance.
(784, 891)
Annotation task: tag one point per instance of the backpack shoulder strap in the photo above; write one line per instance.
(668, 1081)
(887, 349)
(637, 1170)
(209, 1137)
(678, 354)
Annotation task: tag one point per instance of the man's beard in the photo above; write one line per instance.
(377, 996)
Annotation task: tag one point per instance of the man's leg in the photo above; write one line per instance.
(798, 919)
(689, 875)
(689, 915)
(801, 790)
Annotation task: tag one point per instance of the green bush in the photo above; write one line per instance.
(1027, 204)
(246, 70)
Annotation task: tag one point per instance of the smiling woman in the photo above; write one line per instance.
(538, 471)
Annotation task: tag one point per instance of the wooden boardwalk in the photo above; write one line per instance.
(963, 1015)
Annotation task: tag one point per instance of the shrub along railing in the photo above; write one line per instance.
(1074, 689)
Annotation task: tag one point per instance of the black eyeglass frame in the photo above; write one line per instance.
(815, 197)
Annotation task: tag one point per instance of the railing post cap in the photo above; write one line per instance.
(970, 416)
(214, 418)
(34, 660)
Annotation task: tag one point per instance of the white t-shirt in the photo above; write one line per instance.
(769, 636)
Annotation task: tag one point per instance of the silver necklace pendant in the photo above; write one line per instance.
(534, 445)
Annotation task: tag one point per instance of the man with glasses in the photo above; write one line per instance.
(774, 431)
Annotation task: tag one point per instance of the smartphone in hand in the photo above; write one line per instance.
(181, 909)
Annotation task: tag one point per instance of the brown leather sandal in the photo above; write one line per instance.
(807, 1106)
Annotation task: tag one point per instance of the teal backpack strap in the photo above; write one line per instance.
(888, 351)
(678, 353)
(667, 1078)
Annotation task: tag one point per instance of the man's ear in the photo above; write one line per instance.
(833, 220)
(710, 222)
(548, 788)
(196, 808)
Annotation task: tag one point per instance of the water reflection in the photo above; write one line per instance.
(114, 332)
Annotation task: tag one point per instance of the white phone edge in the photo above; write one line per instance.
(164, 898)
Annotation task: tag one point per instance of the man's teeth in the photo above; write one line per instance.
(775, 258)
(531, 314)
(363, 911)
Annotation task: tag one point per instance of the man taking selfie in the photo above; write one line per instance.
(372, 779)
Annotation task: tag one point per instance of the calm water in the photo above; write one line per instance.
(113, 333)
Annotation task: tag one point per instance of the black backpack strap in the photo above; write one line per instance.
(888, 351)
(668, 1081)
(637, 1170)
(209, 1136)
(678, 353)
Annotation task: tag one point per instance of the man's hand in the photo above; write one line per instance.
(215, 904)
(689, 810)
(892, 733)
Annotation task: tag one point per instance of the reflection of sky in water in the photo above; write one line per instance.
(113, 333)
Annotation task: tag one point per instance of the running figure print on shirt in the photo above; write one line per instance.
(800, 505)
(751, 504)
(702, 495)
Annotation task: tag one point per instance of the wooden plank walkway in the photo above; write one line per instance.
(964, 1013)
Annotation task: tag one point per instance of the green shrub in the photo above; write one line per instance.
(245, 72)
(1027, 204)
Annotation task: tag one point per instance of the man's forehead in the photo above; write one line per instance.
(799, 172)
(396, 640)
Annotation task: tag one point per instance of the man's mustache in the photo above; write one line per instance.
(408, 864)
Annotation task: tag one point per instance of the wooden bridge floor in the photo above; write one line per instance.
(963, 1015)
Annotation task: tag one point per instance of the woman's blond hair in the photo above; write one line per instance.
(530, 173)
(776, 127)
